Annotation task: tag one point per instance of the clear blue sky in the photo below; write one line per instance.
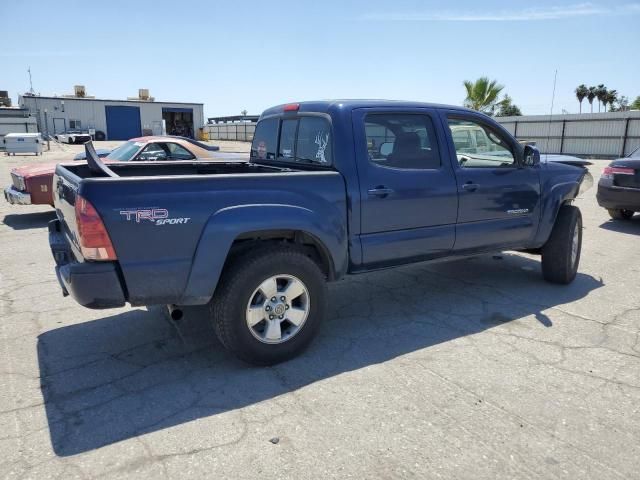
(253, 54)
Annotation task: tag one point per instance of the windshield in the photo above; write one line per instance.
(125, 152)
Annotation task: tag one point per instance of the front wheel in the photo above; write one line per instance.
(269, 304)
(561, 253)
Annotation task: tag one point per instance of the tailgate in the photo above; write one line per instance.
(65, 190)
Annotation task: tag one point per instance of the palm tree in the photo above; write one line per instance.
(482, 95)
(610, 97)
(590, 96)
(601, 92)
(508, 108)
(581, 92)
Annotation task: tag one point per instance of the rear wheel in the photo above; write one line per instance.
(561, 253)
(620, 214)
(269, 304)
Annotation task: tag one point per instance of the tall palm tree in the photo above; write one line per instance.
(590, 96)
(482, 95)
(581, 92)
(610, 97)
(601, 92)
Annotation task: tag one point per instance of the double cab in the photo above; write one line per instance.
(331, 188)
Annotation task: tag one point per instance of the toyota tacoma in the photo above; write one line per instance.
(331, 188)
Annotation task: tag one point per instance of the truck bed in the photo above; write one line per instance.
(201, 203)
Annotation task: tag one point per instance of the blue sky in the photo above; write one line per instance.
(253, 54)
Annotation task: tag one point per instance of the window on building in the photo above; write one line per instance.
(75, 124)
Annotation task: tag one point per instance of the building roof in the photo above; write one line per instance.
(13, 112)
(146, 102)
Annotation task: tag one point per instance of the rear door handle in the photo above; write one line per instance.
(380, 191)
(470, 187)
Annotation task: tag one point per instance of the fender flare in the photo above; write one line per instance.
(229, 223)
(558, 195)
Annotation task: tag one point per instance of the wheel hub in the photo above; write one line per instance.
(278, 309)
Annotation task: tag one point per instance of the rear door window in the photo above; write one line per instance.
(402, 141)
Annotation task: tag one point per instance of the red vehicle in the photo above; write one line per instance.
(31, 184)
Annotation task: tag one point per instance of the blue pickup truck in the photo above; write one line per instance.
(330, 188)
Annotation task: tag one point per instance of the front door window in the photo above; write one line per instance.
(479, 147)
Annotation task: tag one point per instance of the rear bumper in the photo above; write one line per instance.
(16, 197)
(618, 198)
(91, 284)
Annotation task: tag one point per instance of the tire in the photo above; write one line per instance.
(559, 259)
(100, 136)
(620, 214)
(241, 287)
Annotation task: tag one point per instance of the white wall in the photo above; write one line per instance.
(587, 134)
(92, 112)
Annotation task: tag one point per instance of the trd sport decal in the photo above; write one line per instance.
(159, 216)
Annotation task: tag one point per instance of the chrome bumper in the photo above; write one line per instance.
(16, 197)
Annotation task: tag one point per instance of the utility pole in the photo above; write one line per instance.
(46, 126)
(30, 82)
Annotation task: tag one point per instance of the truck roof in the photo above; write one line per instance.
(326, 106)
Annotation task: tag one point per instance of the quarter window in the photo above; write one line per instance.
(402, 141)
(479, 147)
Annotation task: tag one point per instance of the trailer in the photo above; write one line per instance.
(23, 143)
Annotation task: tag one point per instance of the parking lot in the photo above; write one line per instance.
(471, 369)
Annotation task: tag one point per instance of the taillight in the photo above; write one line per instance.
(609, 171)
(95, 243)
(292, 107)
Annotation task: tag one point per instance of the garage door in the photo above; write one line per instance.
(123, 123)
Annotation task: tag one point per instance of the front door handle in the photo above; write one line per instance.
(380, 191)
(470, 187)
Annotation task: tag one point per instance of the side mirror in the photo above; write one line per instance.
(531, 156)
(386, 148)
